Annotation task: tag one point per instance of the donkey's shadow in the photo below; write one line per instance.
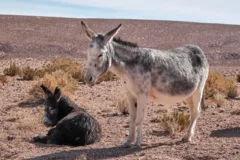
(97, 153)
(227, 133)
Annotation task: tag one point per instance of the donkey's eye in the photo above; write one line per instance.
(52, 111)
(100, 55)
(95, 65)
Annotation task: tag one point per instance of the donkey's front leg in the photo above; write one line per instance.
(142, 102)
(132, 102)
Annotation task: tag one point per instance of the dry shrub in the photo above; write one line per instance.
(219, 99)
(108, 76)
(58, 78)
(232, 90)
(238, 77)
(176, 122)
(3, 79)
(13, 70)
(75, 69)
(217, 83)
(30, 73)
(122, 105)
(66, 65)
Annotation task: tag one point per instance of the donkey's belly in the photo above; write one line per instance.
(155, 96)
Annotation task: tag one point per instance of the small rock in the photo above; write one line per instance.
(221, 111)
(10, 138)
(214, 113)
(142, 154)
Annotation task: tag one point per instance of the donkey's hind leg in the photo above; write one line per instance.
(194, 103)
(132, 102)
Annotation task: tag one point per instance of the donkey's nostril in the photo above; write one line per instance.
(90, 79)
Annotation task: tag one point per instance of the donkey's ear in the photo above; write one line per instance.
(57, 93)
(109, 36)
(90, 34)
(46, 90)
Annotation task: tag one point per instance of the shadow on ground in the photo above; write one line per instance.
(227, 133)
(96, 153)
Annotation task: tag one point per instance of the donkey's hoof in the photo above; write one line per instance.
(136, 146)
(186, 139)
(126, 145)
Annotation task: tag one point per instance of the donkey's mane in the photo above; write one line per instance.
(120, 41)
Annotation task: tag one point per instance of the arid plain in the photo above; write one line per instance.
(32, 41)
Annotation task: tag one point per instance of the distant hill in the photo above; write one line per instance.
(24, 36)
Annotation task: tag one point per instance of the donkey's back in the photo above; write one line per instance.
(188, 58)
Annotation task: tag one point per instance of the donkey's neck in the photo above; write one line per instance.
(124, 52)
(66, 106)
(121, 55)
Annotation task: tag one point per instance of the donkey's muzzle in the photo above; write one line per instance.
(89, 80)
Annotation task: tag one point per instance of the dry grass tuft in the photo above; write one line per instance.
(217, 83)
(13, 70)
(58, 78)
(66, 65)
(63, 73)
(3, 79)
(232, 90)
(219, 99)
(176, 122)
(30, 73)
(238, 77)
(122, 105)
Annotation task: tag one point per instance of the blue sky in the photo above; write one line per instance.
(207, 11)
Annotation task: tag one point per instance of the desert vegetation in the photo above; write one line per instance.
(62, 72)
(31, 74)
(3, 79)
(122, 104)
(238, 77)
(218, 84)
(12, 70)
(174, 122)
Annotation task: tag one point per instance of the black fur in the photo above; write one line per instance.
(120, 41)
(74, 126)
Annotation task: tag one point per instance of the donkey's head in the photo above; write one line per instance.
(51, 106)
(98, 58)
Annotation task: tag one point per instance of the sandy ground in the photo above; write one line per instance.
(217, 132)
(33, 40)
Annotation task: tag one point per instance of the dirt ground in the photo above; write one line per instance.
(217, 132)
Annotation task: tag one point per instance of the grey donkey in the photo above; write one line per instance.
(163, 76)
(73, 125)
